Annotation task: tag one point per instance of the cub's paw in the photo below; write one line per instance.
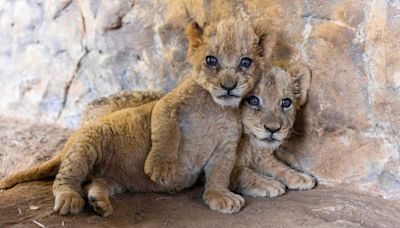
(68, 202)
(263, 187)
(299, 181)
(101, 204)
(223, 201)
(161, 170)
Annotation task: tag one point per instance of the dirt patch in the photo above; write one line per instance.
(24, 143)
(322, 207)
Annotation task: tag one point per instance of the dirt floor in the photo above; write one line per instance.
(30, 204)
(322, 207)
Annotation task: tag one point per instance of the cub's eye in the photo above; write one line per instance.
(245, 62)
(286, 103)
(253, 101)
(211, 61)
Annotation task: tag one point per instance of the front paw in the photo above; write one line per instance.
(300, 181)
(161, 171)
(223, 201)
(101, 204)
(262, 187)
(68, 202)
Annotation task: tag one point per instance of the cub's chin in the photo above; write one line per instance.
(227, 101)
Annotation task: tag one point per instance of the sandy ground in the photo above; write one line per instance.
(322, 207)
(24, 143)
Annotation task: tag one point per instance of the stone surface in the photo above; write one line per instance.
(56, 56)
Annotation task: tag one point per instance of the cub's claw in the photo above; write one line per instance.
(160, 171)
(68, 202)
(101, 205)
(225, 202)
(300, 181)
(263, 187)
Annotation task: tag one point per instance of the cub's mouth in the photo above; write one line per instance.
(228, 99)
(267, 139)
(270, 139)
(229, 96)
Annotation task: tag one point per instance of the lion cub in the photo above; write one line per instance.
(164, 145)
(268, 116)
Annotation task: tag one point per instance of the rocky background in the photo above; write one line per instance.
(58, 55)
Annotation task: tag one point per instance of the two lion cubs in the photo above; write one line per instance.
(164, 145)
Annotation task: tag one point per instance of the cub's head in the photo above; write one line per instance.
(269, 111)
(227, 57)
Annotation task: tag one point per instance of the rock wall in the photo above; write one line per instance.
(56, 56)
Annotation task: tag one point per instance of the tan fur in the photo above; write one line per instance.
(37, 172)
(256, 160)
(258, 172)
(191, 129)
(107, 105)
(229, 42)
(93, 111)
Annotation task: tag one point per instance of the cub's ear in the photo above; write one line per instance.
(267, 40)
(195, 36)
(301, 81)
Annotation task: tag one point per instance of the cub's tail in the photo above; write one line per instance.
(37, 172)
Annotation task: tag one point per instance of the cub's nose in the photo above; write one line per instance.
(228, 86)
(271, 129)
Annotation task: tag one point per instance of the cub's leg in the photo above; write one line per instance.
(79, 158)
(247, 182)
(161, 162)
(98, 193)
(217, 171)
(293, 179)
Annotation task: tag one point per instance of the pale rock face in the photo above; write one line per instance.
(56, 56)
